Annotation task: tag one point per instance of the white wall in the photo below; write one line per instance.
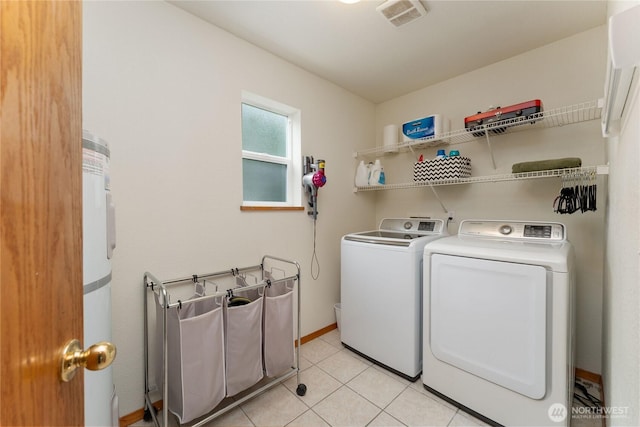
(567, 72)
(164, 89)
(621, 322)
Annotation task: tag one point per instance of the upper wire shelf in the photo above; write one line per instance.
(577, 173)
(577, 113)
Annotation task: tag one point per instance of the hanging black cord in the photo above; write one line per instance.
(572, 199)
(592, 197)
(314, 257)
(583, 401)
(584, 198)
(566, 202)
(592, 399)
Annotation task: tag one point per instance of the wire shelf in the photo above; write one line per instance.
(577, 113)
(577, 173)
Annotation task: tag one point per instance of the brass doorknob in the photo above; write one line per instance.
(95, 358)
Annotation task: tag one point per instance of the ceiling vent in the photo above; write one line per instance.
(401, 12)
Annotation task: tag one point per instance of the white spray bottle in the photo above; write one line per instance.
(374, 177)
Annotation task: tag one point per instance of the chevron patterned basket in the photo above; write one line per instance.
(439, 169)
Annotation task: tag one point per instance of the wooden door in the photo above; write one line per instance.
(40, 210)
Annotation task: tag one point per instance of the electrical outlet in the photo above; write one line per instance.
(451, 216)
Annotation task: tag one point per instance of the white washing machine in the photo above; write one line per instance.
(381, 292)
(498, 321)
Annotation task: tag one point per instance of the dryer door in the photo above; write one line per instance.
(489, 319)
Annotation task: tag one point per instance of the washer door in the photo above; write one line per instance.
(489, 319)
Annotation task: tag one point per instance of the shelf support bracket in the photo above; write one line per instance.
(411, 149)
(435, 193)
(493, 161)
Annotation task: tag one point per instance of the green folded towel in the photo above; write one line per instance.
(543, 165)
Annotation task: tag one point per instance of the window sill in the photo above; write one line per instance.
(271, 208)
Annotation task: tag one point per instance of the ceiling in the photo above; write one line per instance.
(355, 47)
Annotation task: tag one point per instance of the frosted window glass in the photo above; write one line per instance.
(264, 131)
(264, 181)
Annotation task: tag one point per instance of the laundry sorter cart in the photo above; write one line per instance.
(220, 334)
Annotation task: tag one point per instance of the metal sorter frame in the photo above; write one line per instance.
(153, 284)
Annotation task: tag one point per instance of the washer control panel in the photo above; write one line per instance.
(413, 225)
(517, 230)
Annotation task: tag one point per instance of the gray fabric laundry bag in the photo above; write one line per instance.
(196, 375)
(278, 328)
(243, 344)
(188, 310)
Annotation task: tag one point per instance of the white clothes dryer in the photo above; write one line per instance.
(381, 292)
(498, 321)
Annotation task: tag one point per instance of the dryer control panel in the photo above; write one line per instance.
(516, 230)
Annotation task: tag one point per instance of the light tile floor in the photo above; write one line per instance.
(344, 389)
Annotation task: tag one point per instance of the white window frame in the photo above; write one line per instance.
(293, 156)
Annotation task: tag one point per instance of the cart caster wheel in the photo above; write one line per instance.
(147, 414)
(301, 390)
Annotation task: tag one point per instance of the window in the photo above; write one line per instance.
(271, 169)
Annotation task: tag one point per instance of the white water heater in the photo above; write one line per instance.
(98, 228)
